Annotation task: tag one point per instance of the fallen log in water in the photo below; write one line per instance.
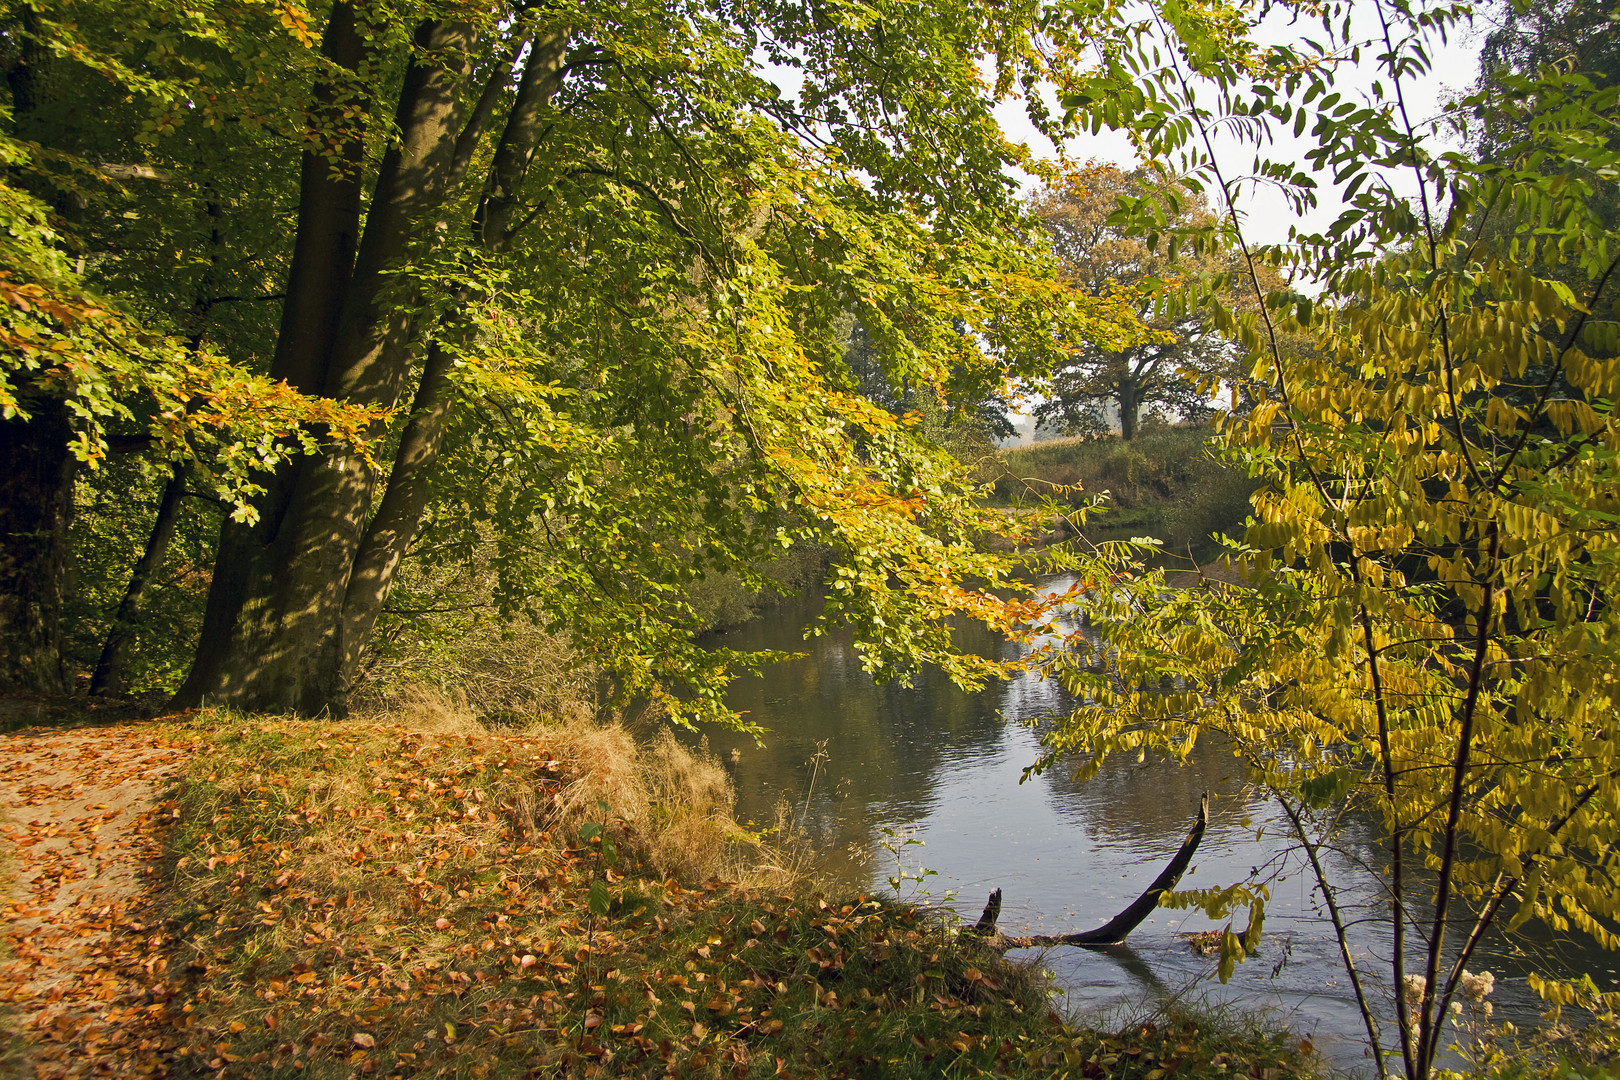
(1114, 930)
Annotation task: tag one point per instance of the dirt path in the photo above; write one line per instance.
(81, 977)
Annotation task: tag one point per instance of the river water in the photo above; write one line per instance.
(848, 759)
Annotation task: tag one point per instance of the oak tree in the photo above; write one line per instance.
(1168, 374)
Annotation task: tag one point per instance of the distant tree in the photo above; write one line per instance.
(1575, 44)
(1575, 36)
(1168, 375)
(1534, 59)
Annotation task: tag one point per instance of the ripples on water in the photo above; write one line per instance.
(1067, 856)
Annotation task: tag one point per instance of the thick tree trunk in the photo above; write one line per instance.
(36, 468)
(389, 533)
(291, 653)
(36, 501)
(298, 595)
(329, 206)
(398, 514)
(1129, 408)
(328, 228)
(278, 599)
(108, 677)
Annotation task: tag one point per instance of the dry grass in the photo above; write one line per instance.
(676, 803)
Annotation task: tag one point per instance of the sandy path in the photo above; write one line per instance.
(81, 978)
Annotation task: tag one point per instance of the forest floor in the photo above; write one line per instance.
(84, 950)
(222, 896)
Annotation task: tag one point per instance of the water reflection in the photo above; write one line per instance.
(1067, 855)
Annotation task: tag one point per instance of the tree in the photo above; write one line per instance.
(968, 428)
(1523, 40)
(582, 265)
(106, 341)
(1519, 45)
(1169, 373)
(1427, 628)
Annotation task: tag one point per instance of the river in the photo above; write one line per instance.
(849, 759)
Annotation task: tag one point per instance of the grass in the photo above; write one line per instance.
(406, 899)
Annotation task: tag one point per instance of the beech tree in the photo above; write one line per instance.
(581, 267)
(98, 353)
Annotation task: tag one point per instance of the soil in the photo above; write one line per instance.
(82, 971)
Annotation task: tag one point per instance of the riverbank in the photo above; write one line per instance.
(1164, 483)
(419, 896)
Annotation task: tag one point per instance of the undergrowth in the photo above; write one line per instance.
(383, 899)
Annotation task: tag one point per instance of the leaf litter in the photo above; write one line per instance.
(85, 969)
(327, 900)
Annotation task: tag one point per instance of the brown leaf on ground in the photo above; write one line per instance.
(86, 954)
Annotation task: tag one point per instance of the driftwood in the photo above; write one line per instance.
(1114, 930)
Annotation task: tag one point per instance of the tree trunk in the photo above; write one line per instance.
(36, 468)
(329, 207)
(389, 533)
(37, 471)
(278, 592)
(108, 677)
(1115, 930)
(1129, 406)
(294, 598)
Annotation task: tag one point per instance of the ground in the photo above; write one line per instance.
(265, 897)
(83, 955)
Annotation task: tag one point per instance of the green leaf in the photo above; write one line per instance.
(599, 899)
